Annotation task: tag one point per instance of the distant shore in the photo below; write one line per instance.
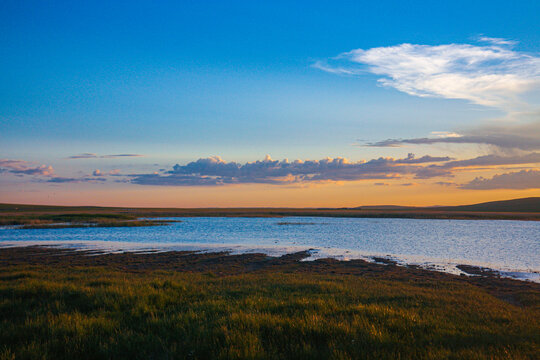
(43, 215)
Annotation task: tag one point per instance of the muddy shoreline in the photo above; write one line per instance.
(222, 264)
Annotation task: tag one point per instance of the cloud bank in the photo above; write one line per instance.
(450, 167)
(525, 179)
(510, 137)
(216, 171)
(498, 140)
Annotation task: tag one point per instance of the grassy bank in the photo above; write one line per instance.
(76, 220)
(57, 304)
(35, 212)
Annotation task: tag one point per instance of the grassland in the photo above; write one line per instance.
(58, 304)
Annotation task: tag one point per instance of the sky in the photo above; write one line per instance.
(248, 103)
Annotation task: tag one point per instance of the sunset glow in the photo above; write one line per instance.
(177, 106)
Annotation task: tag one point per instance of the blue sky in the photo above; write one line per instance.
(179, 81)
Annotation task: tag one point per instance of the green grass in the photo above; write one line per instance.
(93, 312)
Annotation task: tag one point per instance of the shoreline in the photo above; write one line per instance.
(302, 253)
(222, 263)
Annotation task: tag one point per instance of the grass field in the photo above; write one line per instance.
(65, 305)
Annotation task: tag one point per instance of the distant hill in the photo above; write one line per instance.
(525, 205)
(531, 204)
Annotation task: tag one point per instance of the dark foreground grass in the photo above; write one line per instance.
(60, 309)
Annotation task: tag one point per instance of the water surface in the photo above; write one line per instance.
(511, 246)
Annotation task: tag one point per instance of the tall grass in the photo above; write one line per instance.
(51, 312)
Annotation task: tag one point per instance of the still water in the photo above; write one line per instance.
(510, 246)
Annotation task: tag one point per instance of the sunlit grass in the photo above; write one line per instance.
(95, 312)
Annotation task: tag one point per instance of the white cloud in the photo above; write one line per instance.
(497, 41)
(491, 75)
(445, 134)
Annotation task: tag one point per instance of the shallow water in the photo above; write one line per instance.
(509, 246)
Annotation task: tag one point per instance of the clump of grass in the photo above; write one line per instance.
(97, 312)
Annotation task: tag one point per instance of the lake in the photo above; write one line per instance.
(512, 247)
